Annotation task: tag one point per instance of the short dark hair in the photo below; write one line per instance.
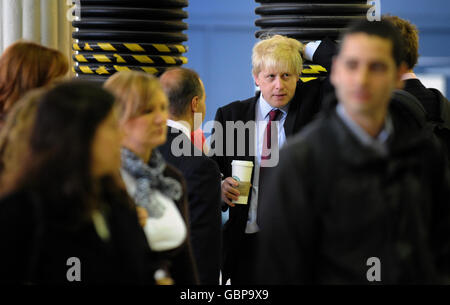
(410, 36)
(383, 29)
(181, 89)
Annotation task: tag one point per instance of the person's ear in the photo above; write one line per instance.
(195, 103)
(255, 78)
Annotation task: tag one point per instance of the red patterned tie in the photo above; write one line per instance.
(264, 171)
(267, 144)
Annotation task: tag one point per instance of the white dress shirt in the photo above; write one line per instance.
(262, 119)
(179, 126)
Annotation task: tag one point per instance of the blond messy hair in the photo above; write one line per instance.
(278, 52)
(133, 91)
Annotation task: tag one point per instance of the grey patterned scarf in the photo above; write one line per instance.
(148, 178)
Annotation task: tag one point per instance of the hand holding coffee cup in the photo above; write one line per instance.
(230, 191)
(242, 173)
(237, 188)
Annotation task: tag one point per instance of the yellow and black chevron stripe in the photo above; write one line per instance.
(129, 59)
(313, 70)
(150, 48)
(111, 69)
(307, 79)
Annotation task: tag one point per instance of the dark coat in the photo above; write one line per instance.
(183, 268)
(203, 184)
(437, 109)
(335, 204)
(36, 244)
(304, 106)
(426, 97)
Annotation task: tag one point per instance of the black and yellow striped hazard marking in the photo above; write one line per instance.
(111, 69)
(131, 59)
(307, 79)
(150, 48)
(311, 72)
(313, 69)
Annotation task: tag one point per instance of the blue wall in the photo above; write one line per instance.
(221, 37)
(432, 18)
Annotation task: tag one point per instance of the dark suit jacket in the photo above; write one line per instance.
(305, 104)
(203, 184)
(182, 262)
(426, 97)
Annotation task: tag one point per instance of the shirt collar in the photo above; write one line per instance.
(410, 75)
(265, 107)
(379, 143)
(179, 126)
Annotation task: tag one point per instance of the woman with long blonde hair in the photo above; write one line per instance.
(153, 184)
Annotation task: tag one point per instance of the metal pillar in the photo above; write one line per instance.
(307, 21)
(117, 35)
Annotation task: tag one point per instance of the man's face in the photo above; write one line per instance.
(277, 87)
(365, 74)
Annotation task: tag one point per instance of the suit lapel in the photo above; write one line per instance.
(251, 116)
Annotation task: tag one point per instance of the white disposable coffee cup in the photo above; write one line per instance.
(242, 172)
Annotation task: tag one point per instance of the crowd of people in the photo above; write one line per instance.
(120, 178)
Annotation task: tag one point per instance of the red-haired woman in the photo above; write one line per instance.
(24, 66)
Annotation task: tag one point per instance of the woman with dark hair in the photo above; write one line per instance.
(66, 207)
(24, 66)
(150, 181)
